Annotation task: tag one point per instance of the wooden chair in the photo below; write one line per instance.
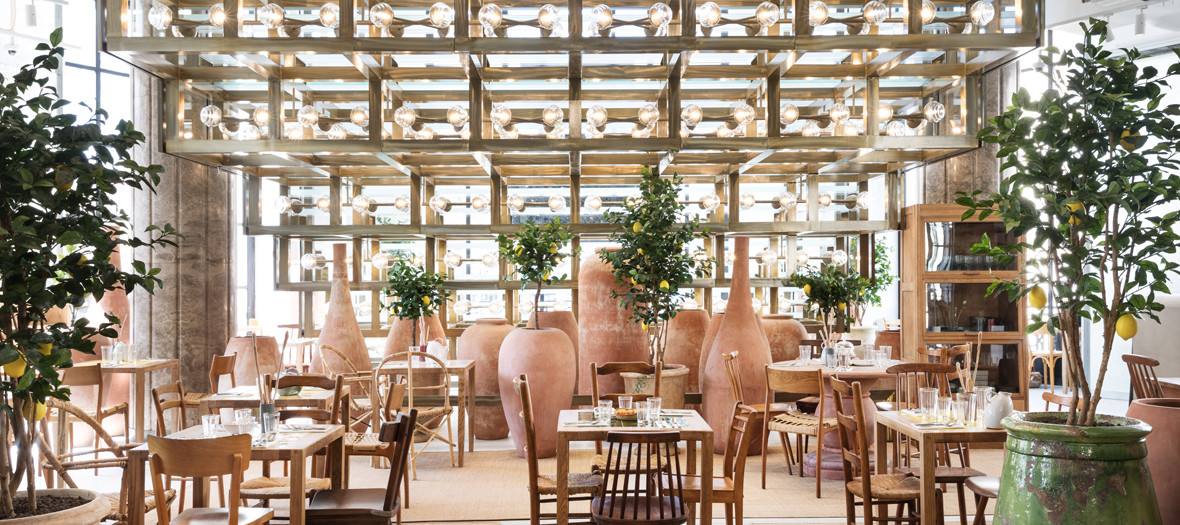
(874, 490)
(796, 422)
(229, 455)
(1144, 383)
(222, 365)
(728, 487)
(372, 506)
(359, 383)
(543, 487)
(1062, 401)
(637, 367)
(431, 379)
(642, 498)
(985, 488)
(765, 410)
(91, 376)
(171, 397)
(369, 444)
(63, 464)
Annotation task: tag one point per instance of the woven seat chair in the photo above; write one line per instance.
(222, 365)
(223, 456)
(764, 410)
(728, 488)
(171, 397)
(369, 444)
(91, 376)
(796, 422)
(425, 375)
(61, 465)
(359, 382)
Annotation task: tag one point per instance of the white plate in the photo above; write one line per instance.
(862, 362)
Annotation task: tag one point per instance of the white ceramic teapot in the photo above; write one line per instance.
(999, 406)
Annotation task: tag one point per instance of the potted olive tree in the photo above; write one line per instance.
(545, 354)
(654, 267)
(59, 226)
(1092, 191)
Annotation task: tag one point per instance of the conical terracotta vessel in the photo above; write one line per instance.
(400, 332)
(269, 360)
(686, 335)
(783, 333)
(738, 332)
(565, 321)
(481, 342)
(710, 336)
(606, 332)
(340, 327)
(546, 355)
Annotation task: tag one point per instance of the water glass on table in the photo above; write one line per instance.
(642, 413)
(886, 353)
(270, 425)
(624, 402)
(603, 411)
(868, 350)
(843, 362)
(654, 404)
(927, 402)
(944, 409)
(209, 424)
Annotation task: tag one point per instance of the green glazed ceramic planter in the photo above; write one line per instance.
(1058, 474)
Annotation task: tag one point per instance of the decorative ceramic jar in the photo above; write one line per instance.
(341, 330)
(1163, 414)
(686, 334)
(563, 320)
(546, 356)
(606, 333)
(783, 333)
(481, 343)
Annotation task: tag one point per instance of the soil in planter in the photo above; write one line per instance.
(47, 504)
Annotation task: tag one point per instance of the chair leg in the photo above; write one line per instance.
(788, 455)
(406, 486)
(737, 511)
(450, 440)
(849, 506)
(980, 510)
(729, 514)
(765, 452)
(819, 457)
(962, 504)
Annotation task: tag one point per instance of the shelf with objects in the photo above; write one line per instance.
(944, 299)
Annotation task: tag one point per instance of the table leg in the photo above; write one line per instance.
(563, 473)
(135, 497)
(882, 457)
(463, 387)
(691, 468)
(139, 385)
(201, 492)
(298, 491)
(471, 409)
(706, 479)
(929, 454)
(337, 463)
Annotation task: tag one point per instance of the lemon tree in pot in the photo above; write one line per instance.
(1092, 191)
(59, 226)
(828, 290)
(414, 295)
(654, 265)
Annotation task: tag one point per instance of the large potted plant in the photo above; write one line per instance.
(868, 293)
(545, 354)
(651, 266)
(59, 227)
(1091, 194)
(415, 295)
(828, 291)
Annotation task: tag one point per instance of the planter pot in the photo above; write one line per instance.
(244, 372)
(1055, 474)
(606, 333)
(481, 342)
(547, 357)
(890, 338)
(340, 327)
(401, 332)
(739, 331)
(864, 334)
(1163, 414)
(673, 381)
(783, 333)
(686, 334)
(562, 320)
(710, 336)
(90, 513)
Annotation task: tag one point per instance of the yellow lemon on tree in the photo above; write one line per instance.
(38, 413)
(664, 285)
(637, 227)
(843, 305)
(641, 251)
(82, 260)
(552, 248)
(425, 300)
(45, 348)
(16, 368)
(807, 289)
(643, 326)
(519, 250)
(546, 276)
(1129, 146)
(1127, 326)
(1037, 298)
(1074, 207)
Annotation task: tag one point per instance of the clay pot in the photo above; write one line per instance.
(96, 507)
(710, 336)
(686, 334)
(1163, 414)
(340, 327)
(481, 342)
(269, 360)
(673, 382)
(546, 356)
(606, 333)
(738, 332)
(401, 331)
(890, 338)
(562, 320)
(783, 333)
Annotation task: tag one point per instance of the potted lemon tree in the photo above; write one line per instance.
(1092, 191)
(59, 227)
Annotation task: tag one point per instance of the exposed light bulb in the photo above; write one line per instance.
(308, 116)
(217, 15)
(756, 303)
(401, 203)
(247, 131)
(691, 115)
(547, 17)
(824, 200)
(323, 204)
(648, 114)
(294, 131)
(743, 114)
(719, 307)
(640, 132)
(725, 132)
(659, 14)
(211, 116)
(982, 12)
(515, 204)
(501, 115)
(708, 14)
(330, 15)
(730, 257)
(928, 12)
(788, 114)
(850, 129)
(817, 13)
(381, 260)
(261, 116)
(525, 307)
(594, 202)
(461, 307)
(404, 116)
(271, 15)
(709, 202)
(337, 132)
(956, 127)
(862, 200)
(801, 258)
(491, 16)
(288, 205)
(875, 12)
(457, 116)
(934, 111)
(557, 131)
(556, 203)
(552, 115)
(786, 200)
(159, 16)
(363, 204)
(509, 132)
(689, 304)
(767, 257)
(839, 113)
(884, 112)
(441, 15)
(313, 261)
(633, 201)
(596, 116)
(896, 128)
(426, 133)
(496, 308)
(358, 116)
(440, 204)
(767, 14)
(418, 260)
(489, 259)
(480, 203)
(603, 17)
(811, 129)
(381, 15)
(452, 259)
(839, 257)
(746, 201)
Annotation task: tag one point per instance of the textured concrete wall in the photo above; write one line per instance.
(978, 168)
(189, 317)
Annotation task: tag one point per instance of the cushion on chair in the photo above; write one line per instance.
(986, 486)
(279, 488)
(888, 487)
(800, 423)
(579, 483)
(944, 474)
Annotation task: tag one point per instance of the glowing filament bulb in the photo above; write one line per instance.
(358, 116)
(308, 116)
(401, 203)
(875, 12)
(556, 203)
(462, 307)
(603, 17)
(862, 200)
(708, 14)
(547, 17)
(786, 200)
(884, 112)
(491, 16)
(839, 113)
(766, 14)
(596, 116)
(659, 14)
(648, 114)
(839, 257)
(457, 116)
(896, 128)
(441, 15)
(440, 204)
(515, 204)
(802, 258)
(691, 115)
(501, 115)
(709, 202)
(160, 17)
(824, 200)
(594, 202)
(211, 116)
(552, 115)
(811, 129)
(934, 111)
(743, 114)
(248, 131)
(261, 115)
(982, 12)
(788, 114)
(330, 15)
(337, 132)
(928, 11)
(452, 259)
(817, 13)
(746, 201)
(363, 204)
(480, 203)
(217, 15)
(323, 204)
(271, 15)
(489, 259)
(405, 117)
(381, 15)
(767, 257)
(381, 260)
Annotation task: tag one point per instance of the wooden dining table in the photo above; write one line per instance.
(694, 430)
(1170, 386)
(292, 446)
(929, 437)
(247, 397)
(138, 370)
(464, 369)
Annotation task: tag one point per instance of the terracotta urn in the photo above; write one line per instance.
(400, 334)
(686, 335)
(783, 333)
(562, 320)
(738, 332)
(340, 327)
(1163, 414)
(546, 356)
(269, 360)
(890, 338)
(710, 336)
(606, 332)
(481, 342)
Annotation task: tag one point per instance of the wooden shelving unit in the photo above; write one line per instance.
(944, 297)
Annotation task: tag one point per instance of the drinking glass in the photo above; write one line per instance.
(843, 362)
(969, 398)
(242, 415)
(959, 409)
(927, 401)
(641, 413)
(654, 404)
(108, 356)
(981, 393)
(944, 409)
(209, 424)
(603, 411)
(130, 355)
(868, 350)
(886, 354)
(624, 402)
(270, 425)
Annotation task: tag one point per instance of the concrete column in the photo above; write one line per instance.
(190, 317)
